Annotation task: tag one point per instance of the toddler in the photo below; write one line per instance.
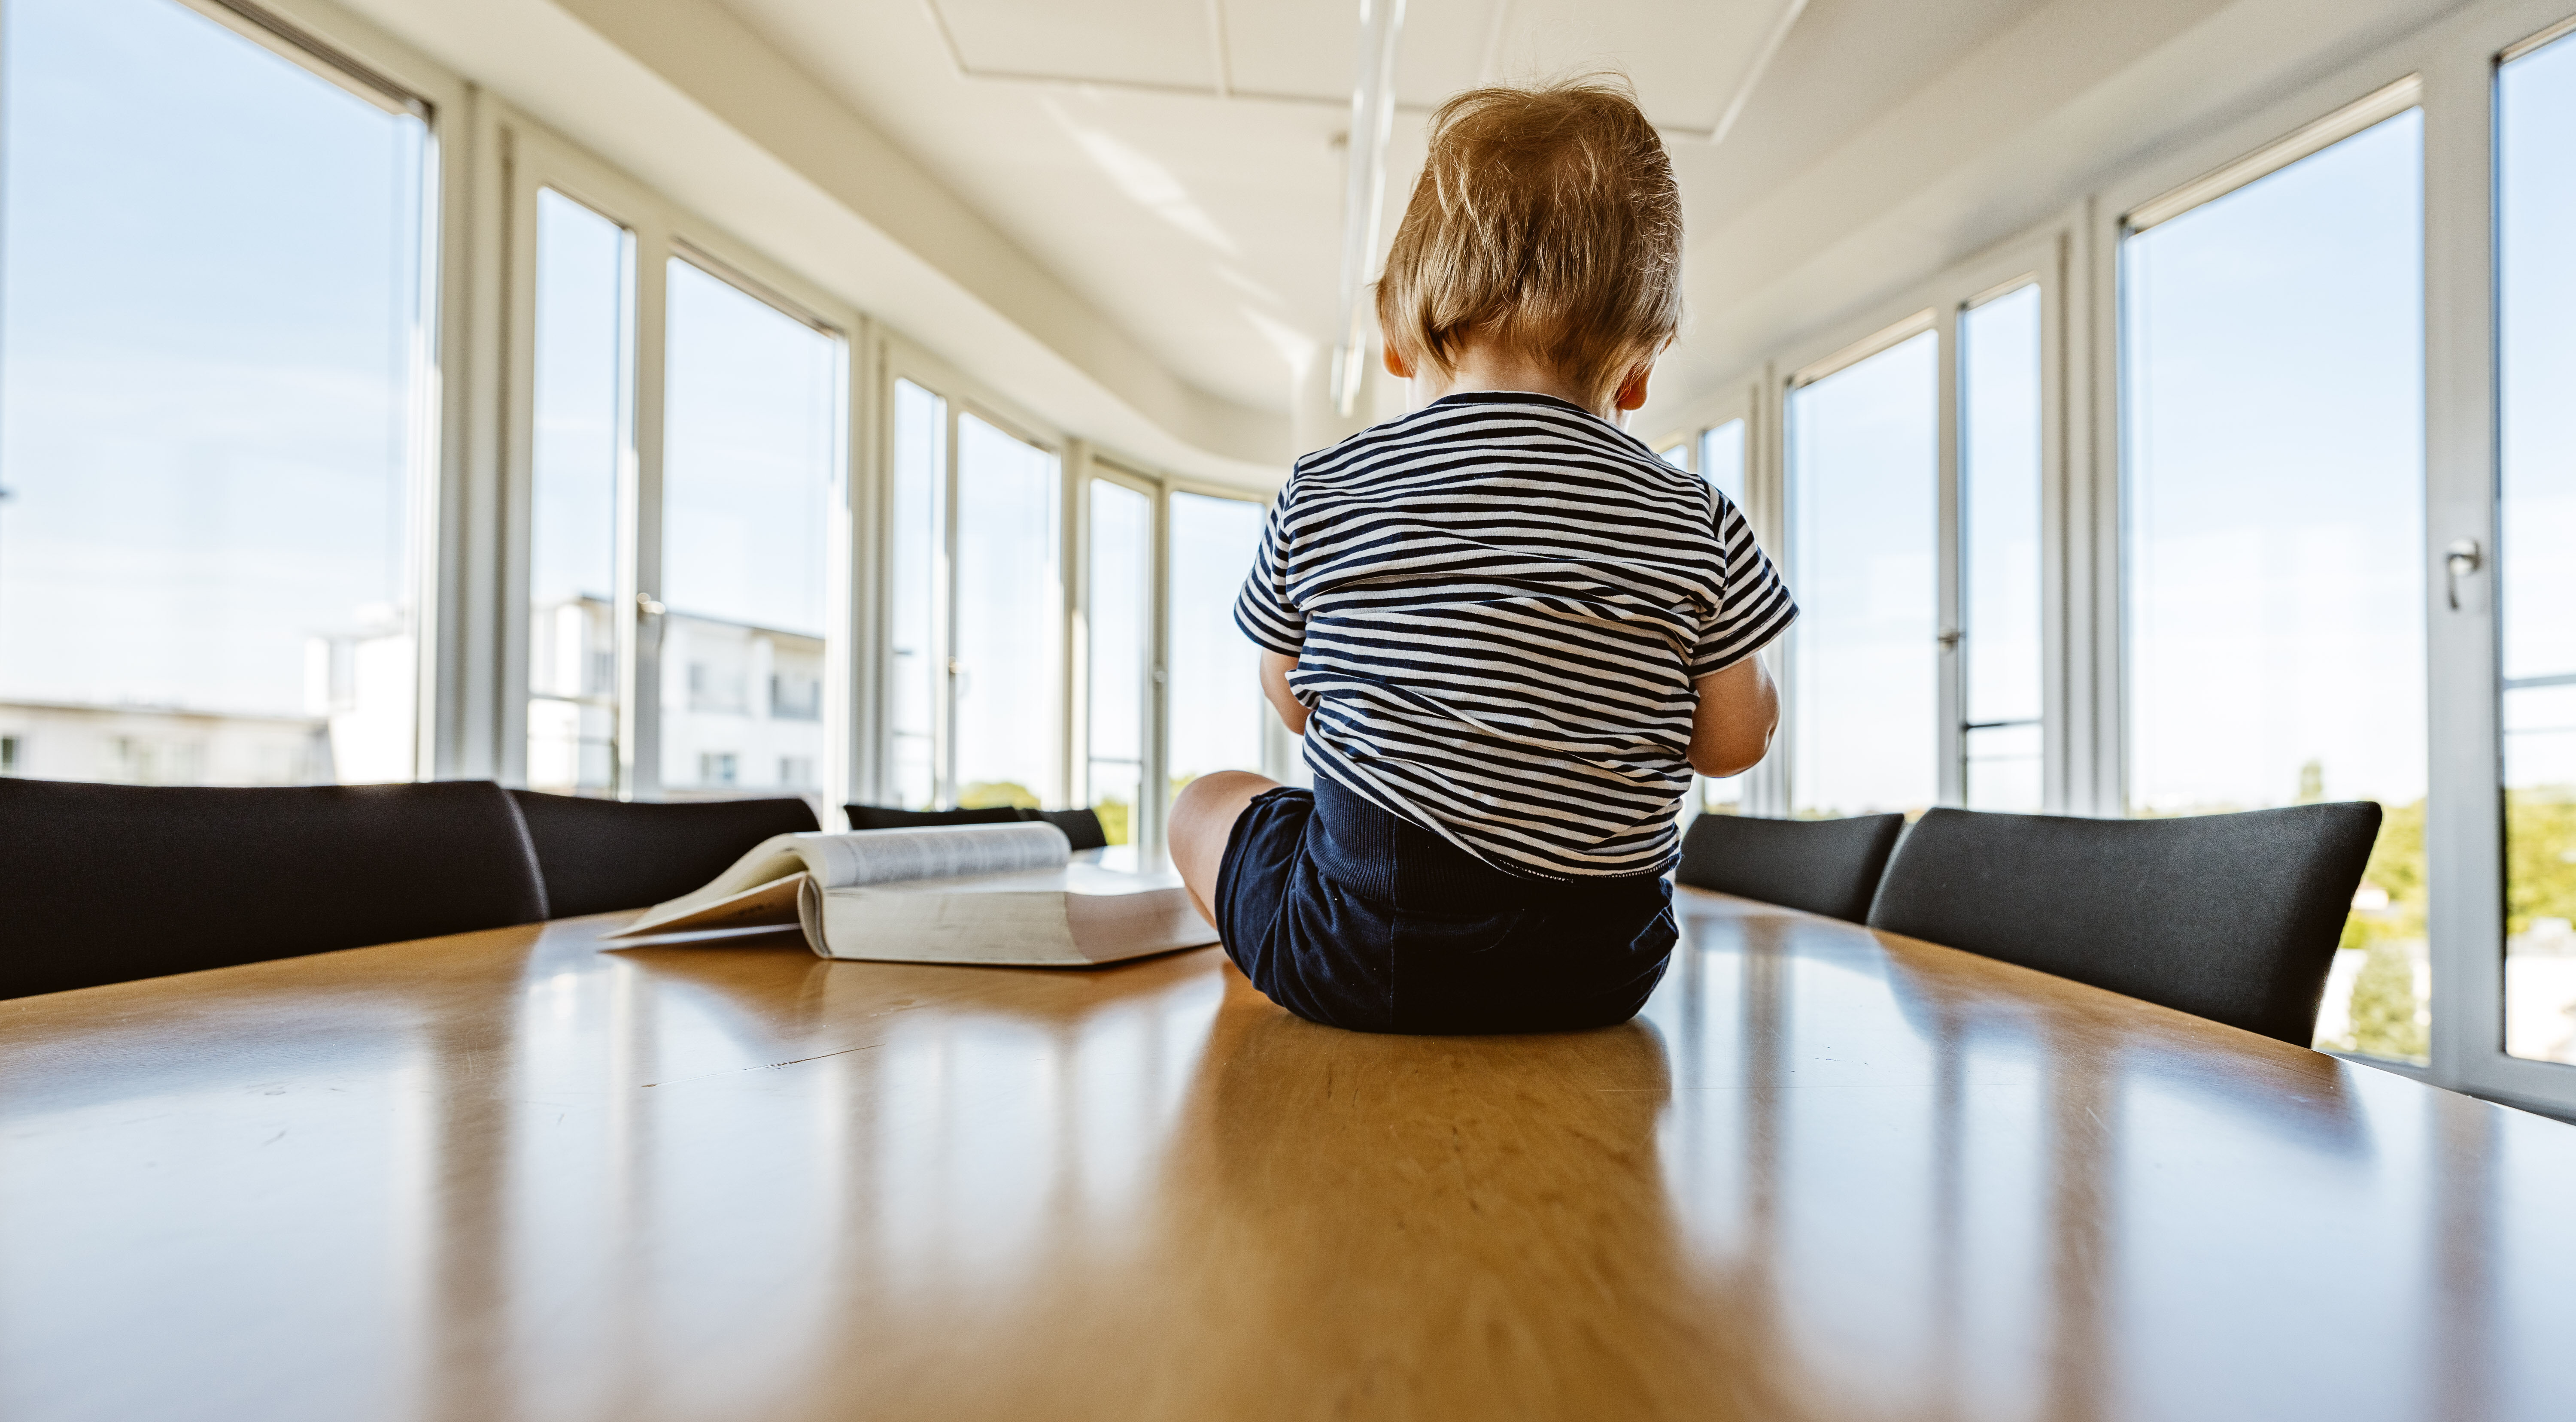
(1506, 630)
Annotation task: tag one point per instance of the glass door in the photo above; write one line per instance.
(2535, 597)
(2274, 479)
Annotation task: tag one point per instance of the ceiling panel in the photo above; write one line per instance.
(1159, 42)
(1687, 57)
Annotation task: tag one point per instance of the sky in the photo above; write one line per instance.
(2536, 160)
(2274, 390)
(212, 284)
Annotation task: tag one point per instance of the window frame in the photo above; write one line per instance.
(659, 234)
(2040, 256)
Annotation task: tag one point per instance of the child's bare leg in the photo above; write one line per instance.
(1201, 819)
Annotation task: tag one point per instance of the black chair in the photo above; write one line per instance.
(2230, 917)
(107, 883)
(599, 855)
(1829, 867)
(877, 817)
(1080, 826)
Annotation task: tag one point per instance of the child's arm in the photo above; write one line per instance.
(1731, 730)
(1274, 684)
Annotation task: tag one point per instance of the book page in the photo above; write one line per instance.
(863, 857)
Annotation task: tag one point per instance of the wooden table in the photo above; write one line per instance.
(1828, 1175)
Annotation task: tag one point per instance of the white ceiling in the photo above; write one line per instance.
(1176, 162)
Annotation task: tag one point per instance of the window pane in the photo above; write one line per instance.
(1864, 481)
(2536, 130)
(580, 440)
(210, 332)
(1721, 459)
(916, 558)
(1009, 603)
(1721, 462)
(1216, 702)
(2274, 371)
(1999, 441)
(1120, 600)
(1678, 456)
(750, 478)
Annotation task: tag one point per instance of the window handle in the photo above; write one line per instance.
(649, 605)
(1949, 638)
(2459, 560)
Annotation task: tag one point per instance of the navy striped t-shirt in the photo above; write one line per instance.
(1498, 605)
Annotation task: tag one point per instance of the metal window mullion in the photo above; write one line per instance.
(2464, 796)
(1766, 487)
(943, 759)
(1074, 665)
(639, 516)
(1153, 838)
(1949, 560)
(515, 248)
(2060, 376)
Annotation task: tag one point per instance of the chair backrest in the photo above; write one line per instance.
(599, 855)
(1829, 867)
(2229, 917)
(107, 883)
(1080, 826)
(877, 817)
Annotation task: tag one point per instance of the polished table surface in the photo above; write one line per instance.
(1829, 1174)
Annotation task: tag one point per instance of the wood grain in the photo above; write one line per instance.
(1829, 1174)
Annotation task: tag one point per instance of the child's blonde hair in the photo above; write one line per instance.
(1546, 220)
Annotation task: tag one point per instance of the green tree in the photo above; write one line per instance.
(985, 794)
(1113, 819)
(2384, 1022)
(2539, 856)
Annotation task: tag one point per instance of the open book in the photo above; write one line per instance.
(997, 894)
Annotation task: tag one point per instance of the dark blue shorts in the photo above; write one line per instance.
(1346, 915)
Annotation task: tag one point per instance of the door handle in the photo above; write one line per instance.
(2461, 559)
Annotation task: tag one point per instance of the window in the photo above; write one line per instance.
(795, 772)
(2536, 309)
(2274, 485)
(1119, 603)
(1864, 485)
(750, 487)
(579, 444)
(9, 755)
(1010, 602)
(1216, 701)
(1999, 474)
(1678, 456)
(918, 562)
(1721, 459)
(210, 310)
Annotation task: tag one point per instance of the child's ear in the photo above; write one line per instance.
(1632, 391)
(1395, 365)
